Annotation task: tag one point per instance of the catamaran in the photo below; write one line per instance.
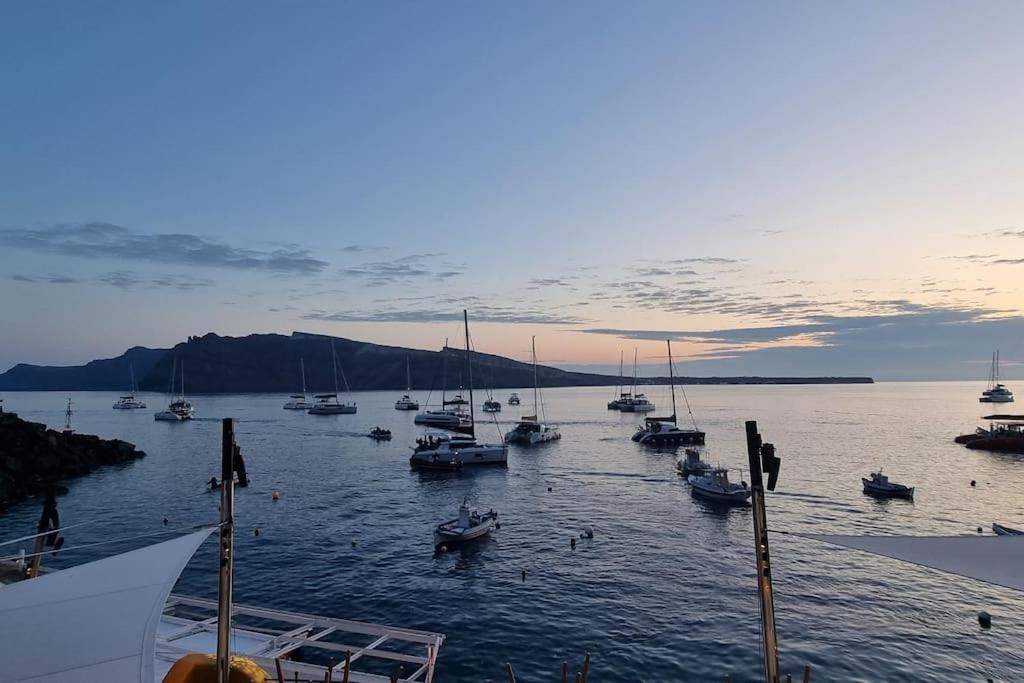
(299, 401)
(621, 397)
(179, 408)
(997, 392)
(459, 450)
(328, 404)
(129, 402)
(406, 403)
(635, 403)
(530, 430)
(664, 431)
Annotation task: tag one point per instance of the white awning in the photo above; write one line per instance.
(94, 622)
(992, 559)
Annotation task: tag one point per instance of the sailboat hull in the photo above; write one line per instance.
(672, 437)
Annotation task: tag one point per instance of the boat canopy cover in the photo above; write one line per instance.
(666, 418)
(94, 622)
(992, 559)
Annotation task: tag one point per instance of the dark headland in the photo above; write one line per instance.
(270, 363)
(34, 458)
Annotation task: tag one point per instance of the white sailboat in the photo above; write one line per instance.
(621, 397)
(129, 402)
(178, 409)
(445, 418)
(328, 404)
(299, 401)
(459, 450)
(996, 392)
(406, 403)
(530, 431)
(635, 403)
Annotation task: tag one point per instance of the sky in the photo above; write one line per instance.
(790, 188)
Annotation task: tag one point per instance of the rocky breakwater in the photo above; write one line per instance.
(32, 457)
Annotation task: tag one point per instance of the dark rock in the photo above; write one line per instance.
(33, 457)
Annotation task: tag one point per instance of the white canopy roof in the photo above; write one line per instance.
(993, 559)
(94, 622)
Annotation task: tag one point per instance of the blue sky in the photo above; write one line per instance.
(843, 178)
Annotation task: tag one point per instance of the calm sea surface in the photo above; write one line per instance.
(664, 591)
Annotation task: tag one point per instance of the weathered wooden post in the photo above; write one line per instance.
(227, 521)
(763, 454)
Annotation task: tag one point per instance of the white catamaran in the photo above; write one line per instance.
(635, 403)
(407, 403)
(328, 404)
(178, 409)
(129, 402)
(530, 430)
(996, 392)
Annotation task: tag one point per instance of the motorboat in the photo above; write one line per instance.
(129, 402)
(1005, 434)
(328, 404)
(715, 485)
(443, 419)
(178, 409)
(462, 449)
(492, 406)
(529, 432)
(513, 399)
(468, 526)
(380, 434)
(637, 404)
(878, 484)
(996, 392)
(1002, 530)
(407, 403)
(692, 463)
(299, 401)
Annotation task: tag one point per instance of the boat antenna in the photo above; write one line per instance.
(672, 381)
(469, 367)
(227, 524)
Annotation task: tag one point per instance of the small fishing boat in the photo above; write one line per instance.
(692, 464)
(513, 400)
(299, 401)
(129, 402)
(1001, 530)
(492, 406)
(879, 485)
(468, 526)
(407, 403)
(715, 485)
(380, 434)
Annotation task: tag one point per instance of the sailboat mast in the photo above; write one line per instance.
(302, 370)
(131, 373)
(334, 362)
(408, 376)
(182, 379)
(469, 368)
(533, 351)
(444, 372)
(671, 380)
(634, 372)
(995, 369)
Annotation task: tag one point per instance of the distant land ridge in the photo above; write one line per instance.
(270, 363)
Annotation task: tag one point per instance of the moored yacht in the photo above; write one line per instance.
(664, 431)
(529, 430)
(178, 409)
(620, 395)
(997, 392)
(129, 402)
(459, 450)
(513, 399)
(492, 406)
(328, 404)
(407, 403)
(715, 485)
(455, 420)
(299, 401)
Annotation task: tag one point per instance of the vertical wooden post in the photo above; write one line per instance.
(764, 569)
(227, 521)
(348, 665)
(511, 675)
(586, 667)
(807, 673)
(280, 671)
(565, 672)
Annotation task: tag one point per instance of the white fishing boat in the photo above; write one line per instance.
(513, 399)
(715, 485)
(996, 392)
(299, 401)
(530, 431)
(691, 463)
(407, 403)
(468, 526)
(328, 404)
(665, 431)
(129, 402)
(459, 450)
(179, 408)
(878, 484)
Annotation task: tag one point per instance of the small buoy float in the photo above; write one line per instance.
(275, 496)
(353, 543)
(588, 531)
(985, 619)
(442, 548)
(165, 521)
(572, 543)
(973, 483)
(524, 576)
(549, 489)
(256, 531)
(980, 530)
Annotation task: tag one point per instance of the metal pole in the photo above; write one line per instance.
(227, 522)
(764, 569)
(469, 365)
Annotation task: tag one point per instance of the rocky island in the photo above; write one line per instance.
(33, 457)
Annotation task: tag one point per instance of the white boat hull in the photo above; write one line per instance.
(332, 410)
(452, 538)
(167, 416)
(479, 454)
(996, 399)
